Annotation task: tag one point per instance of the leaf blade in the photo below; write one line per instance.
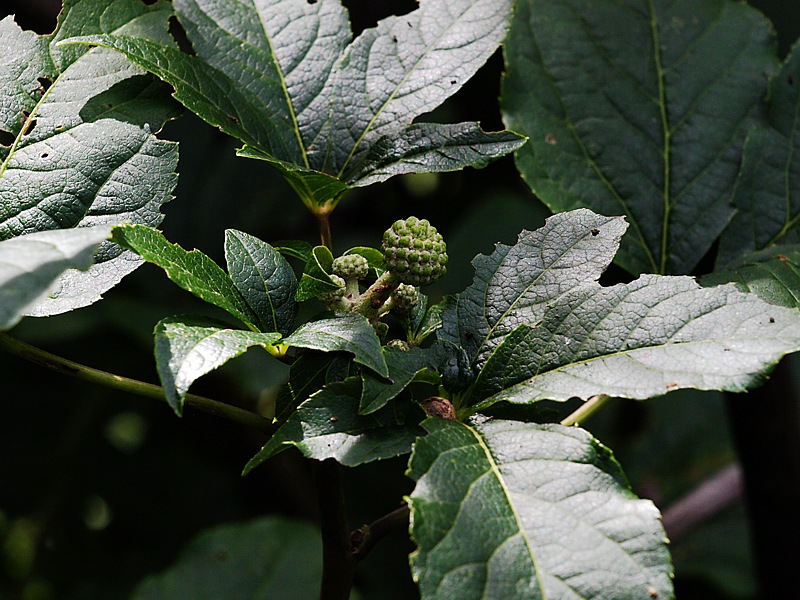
(538, 523)
(610, 104)
(187, 348)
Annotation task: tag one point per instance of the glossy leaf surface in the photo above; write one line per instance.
(187, 348)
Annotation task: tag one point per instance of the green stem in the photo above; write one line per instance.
(323, 218)
(586, 410)
(371, 301)
(133, 386)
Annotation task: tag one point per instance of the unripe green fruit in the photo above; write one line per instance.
(404, 298)
(414, 251)
(334, 295)
(351, 266)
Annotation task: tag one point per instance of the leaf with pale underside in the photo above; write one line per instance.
(31, 264)
(513, 510)
(536, 324)
(284, 77)
(638, 109)
(80, 149)
(187, 348)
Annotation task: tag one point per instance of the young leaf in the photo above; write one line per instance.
(187, 348)
(316, 275)
(193, 271)
(343, 333)
(31, 264)
(638, 109)
(535, 324)
(328, 425)
(280, 76)
(766, 197)
(264, 278)
(562, 521)
(271, 557)
(81, 150)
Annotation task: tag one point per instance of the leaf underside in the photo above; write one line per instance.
(82, 151)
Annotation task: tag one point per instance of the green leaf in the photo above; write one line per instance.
(264, 278)
(187, 348)
(773, 275)
(535, 324)
(403, 367)
(430, 147)
(271, 557)
(328, 425)
(283, 77)
(516, 284)
(766, 196)
(299, 249)
(30, 266)
(638, 109)
(640, 340)
(81, 151)
(348, 332)
(316, 275)
(563, 521)
(191, 270)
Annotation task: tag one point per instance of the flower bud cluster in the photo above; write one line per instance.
(414, 251)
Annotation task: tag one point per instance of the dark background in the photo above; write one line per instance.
(99, 488)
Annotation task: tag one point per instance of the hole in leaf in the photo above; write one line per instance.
(44, 155)
(44, 83)
(28, 124)
(595, 231)
(6, 138)
(311, 1)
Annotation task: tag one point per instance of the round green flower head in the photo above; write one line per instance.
(404, 298)
(414, 251)
(351, 266)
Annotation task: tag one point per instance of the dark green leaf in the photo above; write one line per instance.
(403, 367)
(268, 558)
(187, 348)
(31, 264)
(316, 275)
(299, 249)
(348, 332)
(328, 425)
(430, 147)
(191, 270)
(514, 510)
(766, 197)
(773, 275)
(264, 278)
(638, 109)
(82, 152)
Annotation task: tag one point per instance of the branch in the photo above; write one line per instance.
(338, 566)
(708, 499)
(363, 539)
(586, 410)
(67, 367)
